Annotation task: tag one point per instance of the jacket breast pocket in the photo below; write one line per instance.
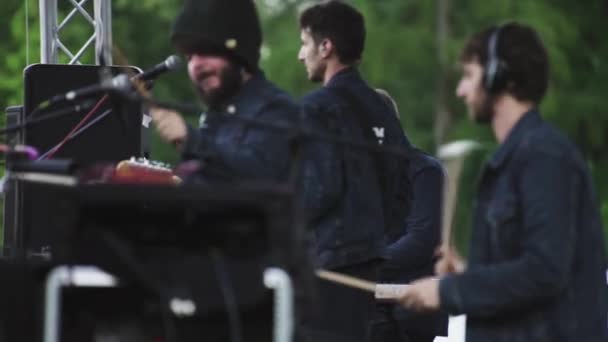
(504, 222)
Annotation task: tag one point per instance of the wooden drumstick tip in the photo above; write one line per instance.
(380, 291)
(389, 291)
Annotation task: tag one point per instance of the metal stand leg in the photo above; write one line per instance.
(278, 280)
(80, 276)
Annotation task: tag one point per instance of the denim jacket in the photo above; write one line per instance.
(232, 150)
(537, 269)
(349, 217)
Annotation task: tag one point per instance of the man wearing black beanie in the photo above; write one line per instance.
(221, 40)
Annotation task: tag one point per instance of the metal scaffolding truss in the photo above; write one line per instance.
(50, 29)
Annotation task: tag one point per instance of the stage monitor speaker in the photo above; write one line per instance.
(114, 131)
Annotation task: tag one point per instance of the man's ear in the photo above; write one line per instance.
(326, 48)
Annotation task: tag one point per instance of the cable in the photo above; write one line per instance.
(130, 264)
(77, 133)
(167, 319)
(86, 117)
(27, 34)
(225, 284)
(52, 115)
(294, 130)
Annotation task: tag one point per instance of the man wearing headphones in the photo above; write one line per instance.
(536, 268)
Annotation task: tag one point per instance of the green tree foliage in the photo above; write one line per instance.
(401, 56)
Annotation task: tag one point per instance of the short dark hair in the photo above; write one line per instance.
(523, 53)
(340, 23)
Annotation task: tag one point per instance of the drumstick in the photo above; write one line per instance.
(347, 280)
(380, 291)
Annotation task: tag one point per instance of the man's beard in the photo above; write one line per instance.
(230, 83)
(484, 112)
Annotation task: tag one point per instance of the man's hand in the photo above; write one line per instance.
(449, 261)
(170, 125)
(421, 295)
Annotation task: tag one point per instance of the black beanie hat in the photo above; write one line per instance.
(229, 27)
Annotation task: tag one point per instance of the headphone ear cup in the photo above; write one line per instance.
(489, 74)
(500, 77)
(494, 77)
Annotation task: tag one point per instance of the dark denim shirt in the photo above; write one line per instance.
(537, 268)
(411, 252)
(412, 247)
(349, 220)
(232, 150)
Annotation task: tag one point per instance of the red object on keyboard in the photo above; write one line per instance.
(143, 171)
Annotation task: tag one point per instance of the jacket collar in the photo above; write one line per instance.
(522, 128)
(344, 76)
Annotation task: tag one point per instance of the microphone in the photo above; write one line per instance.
(120, 84)
(172, 63)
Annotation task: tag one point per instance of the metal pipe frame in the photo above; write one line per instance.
(50, 43)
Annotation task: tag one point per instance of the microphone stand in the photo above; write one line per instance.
(50, 115)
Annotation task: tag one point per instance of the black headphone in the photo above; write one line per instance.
(494, 72)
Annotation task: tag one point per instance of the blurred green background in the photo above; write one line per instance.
(411, 50)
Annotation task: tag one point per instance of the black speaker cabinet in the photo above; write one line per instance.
(112, 132)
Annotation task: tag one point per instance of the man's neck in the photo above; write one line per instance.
(507, 112)
(333, 67)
